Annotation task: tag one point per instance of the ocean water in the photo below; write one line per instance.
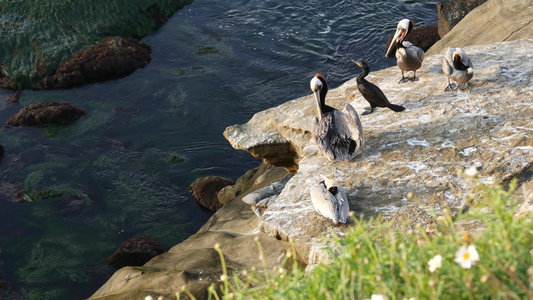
(113, 174)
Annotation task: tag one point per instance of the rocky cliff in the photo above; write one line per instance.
(416, 152)
(494, 21)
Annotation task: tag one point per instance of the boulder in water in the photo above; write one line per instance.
(41, 113)
(135, 252)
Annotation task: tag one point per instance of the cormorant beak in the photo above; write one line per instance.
(357, 63)
(398, 38)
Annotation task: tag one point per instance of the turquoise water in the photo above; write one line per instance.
(111, 175)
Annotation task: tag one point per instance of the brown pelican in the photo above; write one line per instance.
(337, 135)
(457, 66)
(329, 200)
(372, 93)
(408, 56)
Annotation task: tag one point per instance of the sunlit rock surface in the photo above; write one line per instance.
(493, 21)
(417, 151)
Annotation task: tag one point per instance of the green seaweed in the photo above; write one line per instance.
(37, 195)
(37, 35)
(175, 158)
(208, 50)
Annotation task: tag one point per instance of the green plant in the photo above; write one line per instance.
(375, 261)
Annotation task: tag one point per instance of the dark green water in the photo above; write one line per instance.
(114, 169)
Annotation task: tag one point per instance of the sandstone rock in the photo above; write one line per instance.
(451, 12)
(194, 262)
(493, 21)
(230, 192)
(40, 113)
(423, 37)
(418, 150)
(112, 58)
(135, 252)
(205, 190)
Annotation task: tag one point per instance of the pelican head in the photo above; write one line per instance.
(319, 87)
(457, 66)
(329, 200)
(460, 60)
(404, 27)
(330, 184)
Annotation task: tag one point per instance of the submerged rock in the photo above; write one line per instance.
(112, 58)
(15, 97)
(205, 190)
(135, 252)
(41, 113)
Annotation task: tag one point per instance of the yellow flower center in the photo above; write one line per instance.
(466, 255)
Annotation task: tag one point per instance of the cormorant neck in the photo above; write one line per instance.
(363, 74)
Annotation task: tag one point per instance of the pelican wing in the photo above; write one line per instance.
(346, 136)
(447, 61)
(344, 206)
(419, 52)
(325, 203)
(322, 135)
(354, 125)
(413, 51)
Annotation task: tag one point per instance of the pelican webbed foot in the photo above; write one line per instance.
(451, 87)
(463, 86)
(404, 80)
(414, 78)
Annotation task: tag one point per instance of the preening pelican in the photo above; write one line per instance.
(337, 135)
(329, 200)
(457, 66)
(408, 56)
(372, 93)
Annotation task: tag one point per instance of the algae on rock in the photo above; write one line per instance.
(37, 35)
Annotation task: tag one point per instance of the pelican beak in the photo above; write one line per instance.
(398, 38)
(316, 90)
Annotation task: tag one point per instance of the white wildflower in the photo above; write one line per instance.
(435, 263)
(466, 256)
